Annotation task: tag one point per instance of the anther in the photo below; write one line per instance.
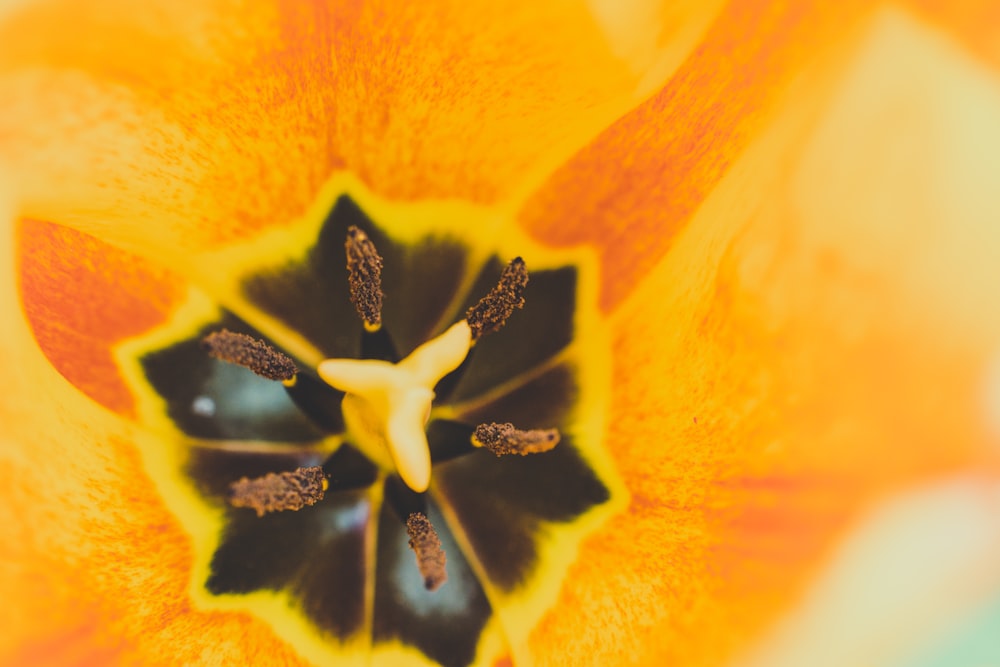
(427, 548)
(364, 267)
(248, 352)
(505, 439)
(276, 492)
(494, 309)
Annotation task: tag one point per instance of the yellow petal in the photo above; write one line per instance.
(654, 36)
(96, 570)
(186, 126)
(671, 152)
(764, 399)
(817, 338)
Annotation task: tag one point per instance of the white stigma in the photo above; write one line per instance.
(387, 405)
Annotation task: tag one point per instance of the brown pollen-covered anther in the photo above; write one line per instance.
(276, 492)
(427, 547)
(504, 439)
(494, 309)
(364, 274)
(250, 353)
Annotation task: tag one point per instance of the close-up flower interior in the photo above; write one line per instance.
(363, 332)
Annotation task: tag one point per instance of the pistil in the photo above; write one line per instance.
(386, 405)
(383, 406)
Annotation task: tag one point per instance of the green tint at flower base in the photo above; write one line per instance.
(338, 579)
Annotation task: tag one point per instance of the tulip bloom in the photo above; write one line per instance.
(761, 246)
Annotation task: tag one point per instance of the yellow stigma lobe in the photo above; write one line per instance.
(387, 405)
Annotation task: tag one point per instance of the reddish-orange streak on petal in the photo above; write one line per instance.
(790, 363)
(780, 522)
(91, 556)
(798, 431)
(632, 190)
(81, 297)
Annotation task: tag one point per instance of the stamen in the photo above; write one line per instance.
(276, 492)
(505, 439)
(364, 267)
(427, 547)
(494, 309)
(248, 352)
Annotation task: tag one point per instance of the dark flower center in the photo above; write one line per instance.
(340, 571)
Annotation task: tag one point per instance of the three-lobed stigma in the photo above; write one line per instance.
(387, 405)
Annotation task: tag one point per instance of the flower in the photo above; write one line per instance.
(789, 216)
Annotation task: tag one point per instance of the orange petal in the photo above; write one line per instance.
(653, 36)
(181, 126)
(903, 581)
(819, 337)
(635, 188)
(82, 296)
(975, 22)
(95, 569)
(460, 99)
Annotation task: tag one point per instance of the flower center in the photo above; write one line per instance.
(385, 405)
(304, 488)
